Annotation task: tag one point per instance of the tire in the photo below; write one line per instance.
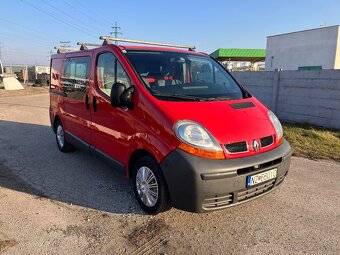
(63, 145)
(150, 189)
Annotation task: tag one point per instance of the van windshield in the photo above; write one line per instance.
(184, 76)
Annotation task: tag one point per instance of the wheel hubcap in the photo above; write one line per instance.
(60, 136)
(147, 186)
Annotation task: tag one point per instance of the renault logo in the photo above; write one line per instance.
(256, 146)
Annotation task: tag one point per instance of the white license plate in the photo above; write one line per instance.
(261, 177)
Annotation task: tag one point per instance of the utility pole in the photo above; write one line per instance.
(116, 31)
(65, 44)
(50, 53)
(0, 51)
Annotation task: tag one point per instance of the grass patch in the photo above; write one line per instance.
(313, 142)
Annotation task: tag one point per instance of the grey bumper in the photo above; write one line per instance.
(198, 185)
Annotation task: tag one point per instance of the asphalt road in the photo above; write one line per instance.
(54, 203)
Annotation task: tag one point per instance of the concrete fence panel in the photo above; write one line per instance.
(263, 89)
(311, 97)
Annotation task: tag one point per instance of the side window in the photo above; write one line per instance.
(109, 71)
(122, 76)
(76, 76)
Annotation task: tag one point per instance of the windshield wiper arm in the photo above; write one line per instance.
(179, 96)
(223, 98)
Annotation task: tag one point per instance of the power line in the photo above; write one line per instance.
(58, 18)
(65, 14)
(87, 12)
(36, 32)
(15, 35)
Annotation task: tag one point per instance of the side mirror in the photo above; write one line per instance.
(120, 96)
(126, 97)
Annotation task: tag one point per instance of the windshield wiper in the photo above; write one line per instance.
(179, 96)
(223, 98)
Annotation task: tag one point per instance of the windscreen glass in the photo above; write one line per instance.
(175, 75)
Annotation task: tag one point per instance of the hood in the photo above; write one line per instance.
(228, 121)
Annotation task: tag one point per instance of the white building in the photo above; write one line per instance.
(304, 50)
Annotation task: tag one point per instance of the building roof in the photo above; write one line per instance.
(232, 54)
(306, 30)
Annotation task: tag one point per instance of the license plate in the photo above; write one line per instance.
(261, 177)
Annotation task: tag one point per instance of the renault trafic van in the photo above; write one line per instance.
(171, 119)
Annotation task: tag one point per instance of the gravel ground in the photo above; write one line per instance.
(54, 203)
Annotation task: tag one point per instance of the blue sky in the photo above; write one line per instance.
(29, 29)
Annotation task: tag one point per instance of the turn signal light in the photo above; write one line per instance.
(201, 152)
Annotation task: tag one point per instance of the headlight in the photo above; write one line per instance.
(197, 140)
(277, 125)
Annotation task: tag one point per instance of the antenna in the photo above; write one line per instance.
(108, 39)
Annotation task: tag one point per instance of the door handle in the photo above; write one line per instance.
(94, 103)
(87, 102)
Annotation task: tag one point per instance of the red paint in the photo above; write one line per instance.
(149, 126)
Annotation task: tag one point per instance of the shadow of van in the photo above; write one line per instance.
(30, 162)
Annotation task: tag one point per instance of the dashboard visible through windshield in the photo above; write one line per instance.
(184, 76)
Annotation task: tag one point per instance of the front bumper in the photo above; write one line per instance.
(199, 185)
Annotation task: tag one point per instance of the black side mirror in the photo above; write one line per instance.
(120, 96)
(126, 97)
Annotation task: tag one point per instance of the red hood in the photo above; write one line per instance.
(225, 123)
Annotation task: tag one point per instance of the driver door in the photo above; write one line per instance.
(111, 126)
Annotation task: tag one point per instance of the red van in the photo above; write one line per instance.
(173, 120)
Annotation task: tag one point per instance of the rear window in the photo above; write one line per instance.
(180, 76)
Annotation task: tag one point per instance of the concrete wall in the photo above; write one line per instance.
(298, 96)
(315, 47)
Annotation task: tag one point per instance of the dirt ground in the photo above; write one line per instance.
(55, 203)
(28, 90)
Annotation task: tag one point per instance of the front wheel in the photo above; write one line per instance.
(150, 187)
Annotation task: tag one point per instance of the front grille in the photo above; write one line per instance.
(217, 202)
(266, 141)
(267, 164)
(255, 191)
(237, 147)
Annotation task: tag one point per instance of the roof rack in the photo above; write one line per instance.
(108, 39)
(65, 49)
(83, 45)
